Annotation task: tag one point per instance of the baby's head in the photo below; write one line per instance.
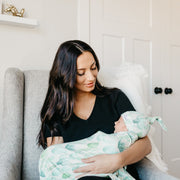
(120, 125)
(136, 122)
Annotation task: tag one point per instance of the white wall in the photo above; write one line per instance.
(35, 48)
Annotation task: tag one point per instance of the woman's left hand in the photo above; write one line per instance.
(100, 164)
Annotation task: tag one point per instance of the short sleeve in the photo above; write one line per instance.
(122, 103)
(47, 131)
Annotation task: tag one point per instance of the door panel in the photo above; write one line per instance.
(126, 11)
(115, 56)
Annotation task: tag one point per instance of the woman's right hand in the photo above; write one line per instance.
(100, 164)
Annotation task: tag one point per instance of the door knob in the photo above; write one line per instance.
(158, 90)
(168, 91)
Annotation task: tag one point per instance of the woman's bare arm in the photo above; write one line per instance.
(136, 152)
(54, 140)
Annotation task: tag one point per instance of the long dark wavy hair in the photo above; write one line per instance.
(59, 100)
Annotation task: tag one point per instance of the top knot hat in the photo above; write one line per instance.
(139, 123)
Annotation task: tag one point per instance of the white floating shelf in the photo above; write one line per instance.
(19, 21)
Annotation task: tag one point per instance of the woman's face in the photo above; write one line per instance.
(86, 72)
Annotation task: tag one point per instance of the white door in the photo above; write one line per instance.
(171, 79)
(126, 30)
(145, 32)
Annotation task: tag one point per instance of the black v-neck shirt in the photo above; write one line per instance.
(105, 112)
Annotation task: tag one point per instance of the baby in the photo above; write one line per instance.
(60, 160)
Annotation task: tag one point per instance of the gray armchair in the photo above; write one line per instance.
(24, 93)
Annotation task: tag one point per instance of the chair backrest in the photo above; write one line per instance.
(36, 84)
(24, 93)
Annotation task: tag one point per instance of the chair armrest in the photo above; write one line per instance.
(148, 171)
(12, 125)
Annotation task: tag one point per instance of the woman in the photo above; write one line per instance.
(77, 105)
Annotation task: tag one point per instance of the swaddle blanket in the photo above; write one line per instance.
(58, 161)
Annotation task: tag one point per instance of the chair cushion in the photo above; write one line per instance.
(132, 80)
